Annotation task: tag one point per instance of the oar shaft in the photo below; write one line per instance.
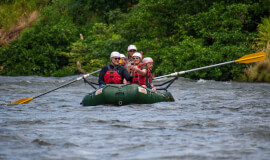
(250, 58)
(56, 88)
(201, 68)
(84, 76)
(192, 70)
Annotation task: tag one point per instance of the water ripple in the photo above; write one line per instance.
(208, 120)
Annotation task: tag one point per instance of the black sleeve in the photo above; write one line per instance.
(101, 75)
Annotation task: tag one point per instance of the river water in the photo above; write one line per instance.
(208, 120)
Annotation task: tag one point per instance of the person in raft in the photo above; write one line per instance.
(137, 68)
(113, 73)
(131, 50)
(146, 80)
(123, 60)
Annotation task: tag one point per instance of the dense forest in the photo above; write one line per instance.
(67, 37)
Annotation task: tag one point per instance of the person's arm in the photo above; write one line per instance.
(126, 75)
(101, 75)
(142, 72)
(125, 81)
(129, 68)
(153, 88)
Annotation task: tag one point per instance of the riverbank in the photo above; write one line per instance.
(80, 36)
(258, 72)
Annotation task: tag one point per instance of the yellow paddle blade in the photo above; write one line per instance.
(21, 101)
(250, 58)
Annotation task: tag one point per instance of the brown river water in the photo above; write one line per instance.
(208, 120)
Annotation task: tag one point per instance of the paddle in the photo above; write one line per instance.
(250, 58)
(27, 100)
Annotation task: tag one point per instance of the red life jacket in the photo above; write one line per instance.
(112, 76)
(135, 78)
(146, 80)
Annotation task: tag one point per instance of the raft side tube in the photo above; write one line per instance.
(123, 94)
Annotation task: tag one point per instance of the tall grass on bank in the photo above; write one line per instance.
(17, 15)
(12, 11)
(260, 71)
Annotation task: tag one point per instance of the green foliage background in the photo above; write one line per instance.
(177, 34)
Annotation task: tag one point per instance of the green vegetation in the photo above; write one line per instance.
(11, 11)
(260, 72)
(178, 34)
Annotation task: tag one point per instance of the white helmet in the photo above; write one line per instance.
(122, 56)
(137, 54)
(131, 47)
(147, 60)
(115, 54)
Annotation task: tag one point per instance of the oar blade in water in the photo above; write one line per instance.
(22, 101)
(250, 58)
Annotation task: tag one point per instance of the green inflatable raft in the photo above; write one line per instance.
(123, 94)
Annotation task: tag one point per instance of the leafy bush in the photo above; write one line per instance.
(178, 35)
(260, 71)
(190, 54)
(193, 40)
(102, 41)
(83, 11)
(16, 9)
(36, 52)
(18, 60)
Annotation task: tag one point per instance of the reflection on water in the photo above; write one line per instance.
(208, 120)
